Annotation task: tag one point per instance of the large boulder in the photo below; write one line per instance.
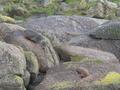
(78, 53)
(12, 68)
(62, 28)
(7, 19)
(12, 82)
(17, 10)
(92, 64)
(6, 27)
(32, 62)
(30, 41)
(107, 31)
(104, 37)
(38, 44)
(103, 9)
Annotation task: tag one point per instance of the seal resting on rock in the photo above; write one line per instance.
(38, 44)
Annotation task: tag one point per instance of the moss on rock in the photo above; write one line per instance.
(32, 62)
(111, 78)
(77, 58)
(61, 85)
(6, 19)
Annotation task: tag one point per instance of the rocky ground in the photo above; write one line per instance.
(12, 10)
(58, 53)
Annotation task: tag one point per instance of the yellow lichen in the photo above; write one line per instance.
(61, 85)
(6, 19)
(18, 79)
(111, 78)
(77, 58)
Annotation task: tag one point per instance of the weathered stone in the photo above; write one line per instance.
(66, 75)
(6, 19)
(26, 78)
(32, 62)
(62, 28)
(46, 2)
(12, 60)
(11, 82)
(36, 43)
(103, 9)
(6, 27)
(76, 53)
(105, 37)
(109, 30)
(17, 10)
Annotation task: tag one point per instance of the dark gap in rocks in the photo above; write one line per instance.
(35, 80)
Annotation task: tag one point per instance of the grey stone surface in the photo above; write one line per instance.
(62, 28)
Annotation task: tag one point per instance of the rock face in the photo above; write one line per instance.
(103, 38)
(78, 53)
(32, 63)
(103, 9)
(6, 19)
(12, 67)
(62, 28)
(36, 43)
(18, 11)
(66, 76)
(6, 27)
(110, 31)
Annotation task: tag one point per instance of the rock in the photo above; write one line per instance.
(62, 28)
(64, 6)
(32, 65)
(118, 12)
(103, 9)
(110, 31)
(12, 67)
(108, 80)
(78, 53)
(96, 11)
(36, 43)
(45, 2)
(6, 27)
(26, 78)
(65, 77)
(83, 5)
(32, 62)
(1, 8)
(11, 63)
(18, 11)
(86, 67)
(107, 42)
(6, 19)
(11, 82)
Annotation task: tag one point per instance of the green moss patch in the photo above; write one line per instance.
(85, 59)
(6, 19)
(61, 85)
(77, 58)
(111, 78)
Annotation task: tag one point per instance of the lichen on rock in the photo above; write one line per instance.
(111, 78)
(6, 19)
(61, 85)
